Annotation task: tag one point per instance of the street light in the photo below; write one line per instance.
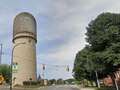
(12, 62)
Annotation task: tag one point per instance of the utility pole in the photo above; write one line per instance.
(0, 53)
(43, 73)
(116, 83)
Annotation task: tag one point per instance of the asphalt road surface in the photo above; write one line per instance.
(65, 87)
(60, 88)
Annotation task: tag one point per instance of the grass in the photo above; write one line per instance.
(106, 88)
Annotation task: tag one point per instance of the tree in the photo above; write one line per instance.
(103, 35)
(103, 31)
(79, 64)
(87, 65)
(5, 71)
(103, 49)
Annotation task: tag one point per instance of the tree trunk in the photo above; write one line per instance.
(98, 83)
(116, 85)
(114, 81)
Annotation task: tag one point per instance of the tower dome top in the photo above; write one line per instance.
(24, 23)
(25, 14)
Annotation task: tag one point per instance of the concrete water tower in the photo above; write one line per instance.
(24, 48)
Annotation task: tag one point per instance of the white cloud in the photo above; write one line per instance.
(71, 17)
(61, 19)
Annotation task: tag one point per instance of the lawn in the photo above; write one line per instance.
(106, 88)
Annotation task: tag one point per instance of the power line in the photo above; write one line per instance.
(45, 66)
(53, 65)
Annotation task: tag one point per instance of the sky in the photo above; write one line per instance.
(61, 28)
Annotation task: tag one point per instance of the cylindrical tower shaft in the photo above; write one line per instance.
(24, 49)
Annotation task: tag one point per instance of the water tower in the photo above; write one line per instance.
(24, 48)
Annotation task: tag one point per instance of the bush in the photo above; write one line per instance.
(28, 83)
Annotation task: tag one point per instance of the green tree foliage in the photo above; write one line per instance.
(86, 64)
(5, 71)
(103, 31)
(103, 49)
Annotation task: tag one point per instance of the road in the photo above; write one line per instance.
(65, 87)
(60, 88)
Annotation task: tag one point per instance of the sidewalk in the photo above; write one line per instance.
(87, 89)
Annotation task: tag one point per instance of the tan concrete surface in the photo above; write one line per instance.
(24, 55)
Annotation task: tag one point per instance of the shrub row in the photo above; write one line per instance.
(26, 83)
